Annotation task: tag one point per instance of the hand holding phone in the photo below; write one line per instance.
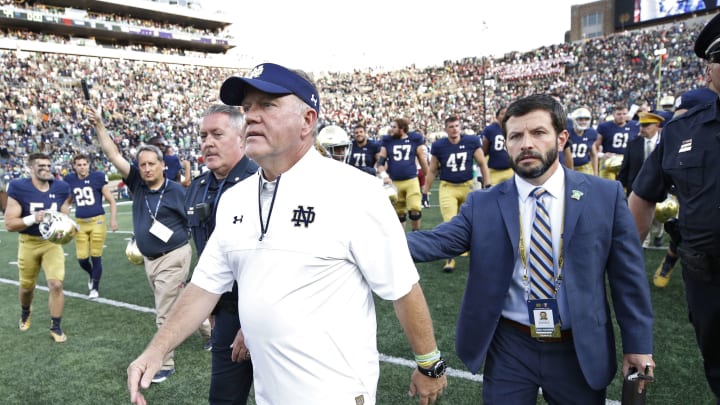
(630, 394)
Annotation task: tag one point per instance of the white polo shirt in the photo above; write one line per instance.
(305, 290)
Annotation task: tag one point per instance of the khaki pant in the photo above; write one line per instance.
(498, 176)
(167, 275)
(452, 196)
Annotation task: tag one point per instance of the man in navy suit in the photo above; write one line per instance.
(639, 148)
(591, 237)
(637, 151)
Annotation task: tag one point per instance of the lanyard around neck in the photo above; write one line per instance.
(264, 225)
(157, 206)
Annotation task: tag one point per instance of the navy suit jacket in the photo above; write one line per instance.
(600, 241)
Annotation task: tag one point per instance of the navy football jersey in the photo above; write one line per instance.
(615, 137)
(401, 155)
(456, 160)
(363, 157)
(87, 193)
(581, 145)
(497, 156)
(32, 200)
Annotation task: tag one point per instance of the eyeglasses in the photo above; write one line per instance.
(647, 124)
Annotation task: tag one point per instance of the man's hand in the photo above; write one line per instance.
(642, 362)
(93, 116)
(426, 388)
(140, 374)
(426, 200)
(240, 352)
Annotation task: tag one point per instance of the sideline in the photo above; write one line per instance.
(451, 372)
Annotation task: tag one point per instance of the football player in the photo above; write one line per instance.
(333, 142)
(28, 199)
(363, 151)
(612, 140)
(582, 138)
(453, 157)
(494, 148)
(396, 164)
(88, 189)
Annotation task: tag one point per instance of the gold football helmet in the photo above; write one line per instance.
(336, 142)
(577, 115)
(613, 163)
(666, 209)
(57, 227)
(133, 253)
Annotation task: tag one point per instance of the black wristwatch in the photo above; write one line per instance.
(437, 370)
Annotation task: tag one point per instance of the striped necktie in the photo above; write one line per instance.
(541, 251)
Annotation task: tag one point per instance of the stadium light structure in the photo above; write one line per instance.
(660, 54)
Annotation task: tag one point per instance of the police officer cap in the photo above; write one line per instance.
(708, 42)
(649, 118)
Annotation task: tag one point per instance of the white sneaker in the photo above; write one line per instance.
(90, 283)
(94, 294)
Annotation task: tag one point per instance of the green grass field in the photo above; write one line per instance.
(106, 335)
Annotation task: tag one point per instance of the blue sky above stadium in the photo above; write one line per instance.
(333, 35)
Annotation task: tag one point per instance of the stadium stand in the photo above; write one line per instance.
(155, 67)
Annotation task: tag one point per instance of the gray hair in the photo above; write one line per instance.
(237, 118)
(150, 148)
(303, 106)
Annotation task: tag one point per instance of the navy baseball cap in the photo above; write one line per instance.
(272, 79)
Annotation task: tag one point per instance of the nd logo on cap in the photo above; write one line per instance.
(271, 79)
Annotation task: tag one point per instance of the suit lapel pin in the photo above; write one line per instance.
(576, 195)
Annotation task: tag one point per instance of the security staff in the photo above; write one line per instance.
(223, 152)
(688, 157)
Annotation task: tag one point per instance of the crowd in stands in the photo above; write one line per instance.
(42, 110)
(594, 73)
(123, 20)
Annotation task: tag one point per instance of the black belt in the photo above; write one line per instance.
(164, 253)
(565, 335)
